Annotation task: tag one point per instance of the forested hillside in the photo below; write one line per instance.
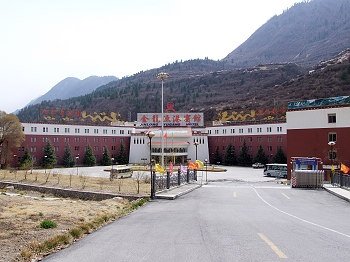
(305, 34)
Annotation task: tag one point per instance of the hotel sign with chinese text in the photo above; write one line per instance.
(170, 119)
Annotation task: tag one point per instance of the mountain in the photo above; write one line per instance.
(305, 34)
(202, 89)
(72, 87)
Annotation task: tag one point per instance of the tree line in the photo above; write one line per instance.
(243, 158)
(49, 159)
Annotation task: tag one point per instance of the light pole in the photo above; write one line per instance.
(206, 170)
(76, 162)
(162, 76)
(45, 157)
(112, 159)
(196, 145)
(332, 144)
(150, 135)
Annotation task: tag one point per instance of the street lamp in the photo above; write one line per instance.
(206, 170)
(162, 76)
(112, 159)
(76, 162)
(196, 145)
(332, 144)
(45, 157)
(150, 135)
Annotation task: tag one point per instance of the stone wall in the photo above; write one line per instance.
(68, 193)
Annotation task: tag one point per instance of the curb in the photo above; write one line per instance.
(173, 197)
(336, 194)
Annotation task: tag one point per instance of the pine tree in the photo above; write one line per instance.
(122, 157)
(280, 157)
(68, 160)
(89, 158)
(261, 156)
(106, 159)
(230, 156)
(217, 156)
(26, 161)
(49, 158)
(244, 158)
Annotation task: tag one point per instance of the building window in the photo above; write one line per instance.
(56, 130)
(332, 118)
(332, 137)
(279, 129)
(279, 139)
(269, 148)
(250, 130)
(87, 131)
(121, 132)
(33, 129)
(259, 139)
(104, 131)
(95, 131)
(269, 129)
(77, 130)
(269, 139)
(45, 129)
(76, 148)
(259, 130)
(66, 130)
(240, 130)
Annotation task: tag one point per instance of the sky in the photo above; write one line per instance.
(44, 41)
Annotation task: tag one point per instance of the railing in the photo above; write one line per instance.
(341, 180)
(178, 178)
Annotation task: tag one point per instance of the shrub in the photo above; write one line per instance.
(48, 224)
(76, 232)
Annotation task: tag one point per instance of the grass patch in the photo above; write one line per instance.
(35, 249)
(48, 224)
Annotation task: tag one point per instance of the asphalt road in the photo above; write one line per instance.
(230, 220)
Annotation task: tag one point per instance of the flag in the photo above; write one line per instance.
(199, 164)
(345, 169)
(159, 168)
(192, 166)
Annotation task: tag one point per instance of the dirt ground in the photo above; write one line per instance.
(22, 212)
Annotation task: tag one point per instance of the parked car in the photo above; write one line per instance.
(258, 165)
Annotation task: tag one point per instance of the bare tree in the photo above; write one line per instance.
(138, 177)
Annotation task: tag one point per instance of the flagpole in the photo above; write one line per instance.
(162, 76)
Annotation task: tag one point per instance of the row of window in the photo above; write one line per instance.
(249, 139)
(75, 139)
(170, 150)
(34, 129)
(33, 149)
(249, 130)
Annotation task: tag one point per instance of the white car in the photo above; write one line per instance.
(258, 165)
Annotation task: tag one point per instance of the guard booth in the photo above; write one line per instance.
(307, 172)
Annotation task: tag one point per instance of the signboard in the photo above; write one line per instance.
(170, 119)
(332, 101)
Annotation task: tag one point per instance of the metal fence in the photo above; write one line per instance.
(178, 178)
(341, 180)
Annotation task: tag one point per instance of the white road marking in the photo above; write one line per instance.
(285, 195)
(298, 218)
(248, 186)
(275, 249)
(234, 194)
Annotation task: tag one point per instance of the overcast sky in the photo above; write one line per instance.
(44, 41)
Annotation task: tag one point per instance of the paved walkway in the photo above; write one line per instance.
(176, 192)
(337, 191)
